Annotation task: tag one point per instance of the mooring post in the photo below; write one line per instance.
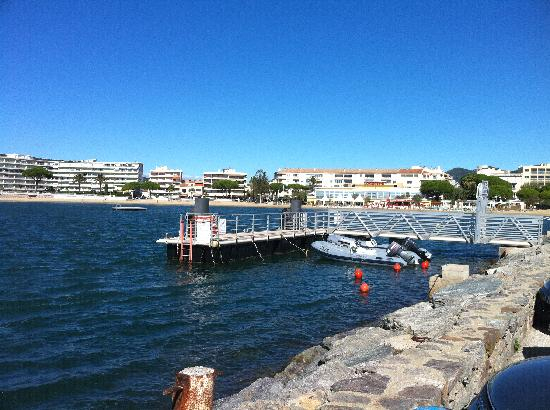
(194, 389)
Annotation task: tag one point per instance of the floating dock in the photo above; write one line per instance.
(214, 238)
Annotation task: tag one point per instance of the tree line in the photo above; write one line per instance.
(499, 189)
(37, 174)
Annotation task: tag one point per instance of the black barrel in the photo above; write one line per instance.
(295, 205)
(202, 206)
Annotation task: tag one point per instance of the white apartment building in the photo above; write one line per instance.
(525, 174)
(11, 166)
(166, 178)
(228, 173)
(116, 174)
(535, 174)
(410, 178)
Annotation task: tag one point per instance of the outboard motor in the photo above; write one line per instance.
(397, 250)
(410, 245)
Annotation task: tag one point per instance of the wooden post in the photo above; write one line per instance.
(194, 389)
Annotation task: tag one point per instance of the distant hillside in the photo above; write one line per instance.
(458, 173)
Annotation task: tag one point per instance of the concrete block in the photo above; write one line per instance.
(453, 273)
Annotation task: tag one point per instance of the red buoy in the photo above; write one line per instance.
(396, 267)
(364, 288)
(425, 265)
(358, 273)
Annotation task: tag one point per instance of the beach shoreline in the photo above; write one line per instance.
(88, 199)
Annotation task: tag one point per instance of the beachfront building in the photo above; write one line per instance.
(210, 177)
(350, 178)
(535, 174)
(11, 179)
(115, 174)
(168, 179)
(191, 188)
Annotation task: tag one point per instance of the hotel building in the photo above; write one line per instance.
(210, 177)
(347, 186)
(116, 174)
(11, 179)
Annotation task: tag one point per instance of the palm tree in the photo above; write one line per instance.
(100, 178)
(79, 179)
(313, 182)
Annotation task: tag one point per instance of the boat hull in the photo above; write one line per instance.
(371, 256)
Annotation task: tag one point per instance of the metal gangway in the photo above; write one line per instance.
(216, 230)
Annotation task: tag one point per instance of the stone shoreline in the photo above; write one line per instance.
(433, 353)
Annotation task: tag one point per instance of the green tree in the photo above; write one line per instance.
(100, 178)
(529, 195)
(171, 188)
(226, 185)
(149, 186)
(544, 197)
(435, 189)
(417, 199)
(37, 174)
(131, 186)
(79, 179)
(298, 187)
(498, 188)
(259, 184)
(300, 194)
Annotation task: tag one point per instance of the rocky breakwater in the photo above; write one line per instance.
(433, 353)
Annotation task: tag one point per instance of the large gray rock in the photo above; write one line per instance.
(423, 320)
(463, 293)
(360, 346)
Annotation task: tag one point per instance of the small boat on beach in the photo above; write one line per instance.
(343, 248)
(119, 207)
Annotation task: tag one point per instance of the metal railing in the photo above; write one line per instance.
(423, 225)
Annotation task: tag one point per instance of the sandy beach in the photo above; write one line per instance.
(90, 199)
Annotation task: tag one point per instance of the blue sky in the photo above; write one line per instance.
(264, 84)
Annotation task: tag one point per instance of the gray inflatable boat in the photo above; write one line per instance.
(343, 248)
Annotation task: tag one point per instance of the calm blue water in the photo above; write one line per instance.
(93, 315)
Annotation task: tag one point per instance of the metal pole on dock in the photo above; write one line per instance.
(190, 240)
(182, 232)
(194, 389)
